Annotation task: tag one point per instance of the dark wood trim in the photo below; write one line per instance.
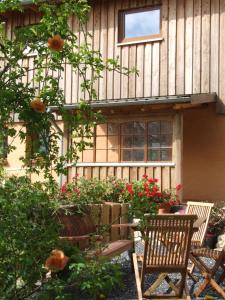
(121, 24)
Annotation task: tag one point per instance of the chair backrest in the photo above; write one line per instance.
(168, 241)
(201, 209)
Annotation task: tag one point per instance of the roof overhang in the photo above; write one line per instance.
(178, 102)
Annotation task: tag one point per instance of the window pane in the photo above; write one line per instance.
(166, 140)
(126, 155)
(154, 141)
(88, 155)
(113, 129)
(113, 156)
(166, 127)
(138, 141)
(127, 141)
(154, 127)
(138, 155)
(127, 128)
(101, 156)
(166, 154)
(142, 23)
(112, 142)
(154, 155)
(101, 129)
(101, 142)
(139, 128)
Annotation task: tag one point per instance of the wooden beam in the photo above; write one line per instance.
(179, 106)
(203, 98)
(178, 148)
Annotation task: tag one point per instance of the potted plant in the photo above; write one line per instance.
(144, 196)
(216, 226)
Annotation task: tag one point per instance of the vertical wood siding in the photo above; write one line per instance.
(165, 174)
(189, 59)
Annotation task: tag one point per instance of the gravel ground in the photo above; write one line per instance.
(128, 291)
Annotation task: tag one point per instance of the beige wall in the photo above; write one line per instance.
(204, 155)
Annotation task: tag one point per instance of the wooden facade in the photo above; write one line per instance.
(188, 58)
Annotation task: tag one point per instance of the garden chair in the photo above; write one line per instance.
(208, 273)
(81, 231)
(162, 257)
(201, 209)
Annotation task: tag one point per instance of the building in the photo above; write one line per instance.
(169, 121)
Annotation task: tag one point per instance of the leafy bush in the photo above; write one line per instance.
(95, 277)
(82, 191)
(217, 220)
(28, 234)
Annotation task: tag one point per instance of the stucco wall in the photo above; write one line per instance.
(204, 155)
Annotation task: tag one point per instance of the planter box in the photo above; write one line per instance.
(103, 214)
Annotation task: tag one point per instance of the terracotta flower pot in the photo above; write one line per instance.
(164, 208)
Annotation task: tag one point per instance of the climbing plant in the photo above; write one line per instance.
(54, 45)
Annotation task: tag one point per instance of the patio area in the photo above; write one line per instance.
(128, 290)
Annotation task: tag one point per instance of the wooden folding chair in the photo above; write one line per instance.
(162, 257)
(202, 210)
(209, 274)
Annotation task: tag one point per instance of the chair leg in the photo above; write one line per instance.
(215, 285)
(137, 277)
(202, 287)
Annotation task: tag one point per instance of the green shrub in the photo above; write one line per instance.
(27, 236)
(95, 277)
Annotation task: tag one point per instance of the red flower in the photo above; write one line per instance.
(63, 188)
(76, 190)
(155, 189)
(145, 176)
(155, 180)
(151, 180)
(141, 194)
(171, 202)
(178, 187)
(130, 189)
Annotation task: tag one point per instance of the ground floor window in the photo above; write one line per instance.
(133, 141)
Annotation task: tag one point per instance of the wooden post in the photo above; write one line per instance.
(178, 149)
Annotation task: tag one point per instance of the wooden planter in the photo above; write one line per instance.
(102, 214)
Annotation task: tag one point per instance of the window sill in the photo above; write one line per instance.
(124, 164)
(153, 40)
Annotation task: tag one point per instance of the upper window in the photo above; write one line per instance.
(139, 24)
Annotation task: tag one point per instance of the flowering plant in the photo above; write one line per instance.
(144, 196)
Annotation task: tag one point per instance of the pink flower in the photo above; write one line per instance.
(75, 176)
(178, 187)
(76, 190)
